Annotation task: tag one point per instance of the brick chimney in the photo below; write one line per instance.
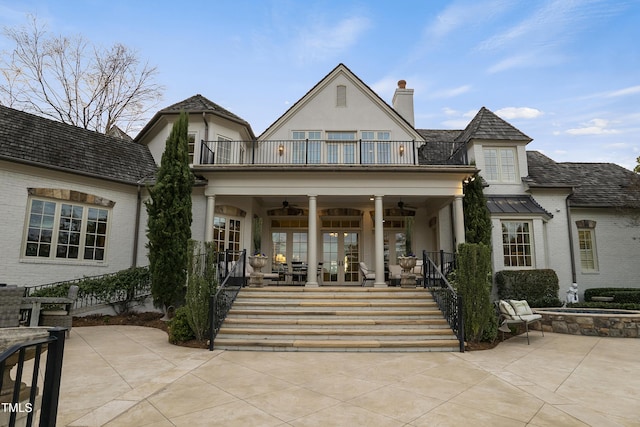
(403, 102)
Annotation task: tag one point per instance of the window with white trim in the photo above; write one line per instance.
(191, 139)
(307, 140)
(376, 148)
(341, 147)
(65, 231)
(500, 164)
(224, 150)
(517, 244)
(587, 245)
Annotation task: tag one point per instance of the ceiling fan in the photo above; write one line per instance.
(402, 206)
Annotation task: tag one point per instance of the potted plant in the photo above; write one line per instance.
(258, 260)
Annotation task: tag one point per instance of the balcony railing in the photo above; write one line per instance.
(327, 152)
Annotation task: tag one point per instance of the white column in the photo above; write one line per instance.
(458, 225)
(379, 243)
(208, 223)
(312, 243)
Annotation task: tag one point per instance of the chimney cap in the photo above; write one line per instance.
(402, 84)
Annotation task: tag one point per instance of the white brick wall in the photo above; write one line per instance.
(13, 211)
(618, 249)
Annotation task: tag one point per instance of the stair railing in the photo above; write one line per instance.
(448, 300)
(234, 269)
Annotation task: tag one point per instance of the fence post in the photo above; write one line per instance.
(53, 375)
(461, 323)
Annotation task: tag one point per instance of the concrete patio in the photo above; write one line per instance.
(131, 376)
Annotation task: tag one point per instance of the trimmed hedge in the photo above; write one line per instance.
(539, 287)
(620, 295)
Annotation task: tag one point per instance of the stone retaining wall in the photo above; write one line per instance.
(603, 325)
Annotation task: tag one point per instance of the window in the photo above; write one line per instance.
(226, 233)
(341, 147)
(224, 150)
(500, 164)
(587, 244)
(376, 147)
(191, 139)
(341, 96)
(516, 244)
(72, 231)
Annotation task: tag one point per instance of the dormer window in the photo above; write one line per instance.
(341, 96)
(500, 165)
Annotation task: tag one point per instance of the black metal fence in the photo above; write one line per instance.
(23, 406)
(233, 268)
(449, 302)
(101, 293)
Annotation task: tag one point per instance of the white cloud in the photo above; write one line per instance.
(450, 93)
(593, 127)
(623, 92)
(322, 41)
(519, 113)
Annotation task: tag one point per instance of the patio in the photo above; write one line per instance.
(128, 375)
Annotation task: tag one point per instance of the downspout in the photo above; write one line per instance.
(206, 133)
(134, 257)
(571, 248)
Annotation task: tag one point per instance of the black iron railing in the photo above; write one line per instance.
(233, 269)
(88, 299)
(449, 302)
(22, 409)
(324, 152)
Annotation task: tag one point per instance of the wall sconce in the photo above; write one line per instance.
(281, 149)
(401, 150)
(469, 179)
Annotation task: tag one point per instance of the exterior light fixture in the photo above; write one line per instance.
(401, 150)
(281, 149)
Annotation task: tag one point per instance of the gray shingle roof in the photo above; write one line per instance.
(486, 125)
(30, 139)
(194, 105)
(594, 184)
(440, 146)
(515, 205)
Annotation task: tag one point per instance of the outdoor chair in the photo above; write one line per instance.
(395, 274)
(516, 312)
(367, 275)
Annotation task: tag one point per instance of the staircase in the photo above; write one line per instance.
(335, 319)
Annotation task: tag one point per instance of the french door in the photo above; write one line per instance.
(341, 257)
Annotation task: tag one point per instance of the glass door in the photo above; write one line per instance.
(341, 257)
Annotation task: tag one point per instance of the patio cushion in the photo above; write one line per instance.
(506, 308)
(521, 307)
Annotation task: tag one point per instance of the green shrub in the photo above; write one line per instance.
(620, 295)
(539, 287)
(473, 284)
(201, 284)
(118, 289)
(179, 329)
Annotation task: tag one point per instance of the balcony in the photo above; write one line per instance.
(330, 152)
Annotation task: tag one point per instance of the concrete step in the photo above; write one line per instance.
(289, 318)
(343, 323)
(332, 333)
(336, 345)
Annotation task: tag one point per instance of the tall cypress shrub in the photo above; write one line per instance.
(473, 283)
(477, 218)
(169, 225)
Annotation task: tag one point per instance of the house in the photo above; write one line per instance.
(341, 177)
(70, 200)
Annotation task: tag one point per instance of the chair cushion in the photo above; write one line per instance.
(506, 308)
(521, 307)
(530, 317)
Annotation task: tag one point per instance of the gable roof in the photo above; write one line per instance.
(194, 105)
(340, 68)
(594, 184)
(487, 125)
(29, 139)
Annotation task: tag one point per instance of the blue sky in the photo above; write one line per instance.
(564, 72)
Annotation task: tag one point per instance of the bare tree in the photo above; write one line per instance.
(72, 81)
